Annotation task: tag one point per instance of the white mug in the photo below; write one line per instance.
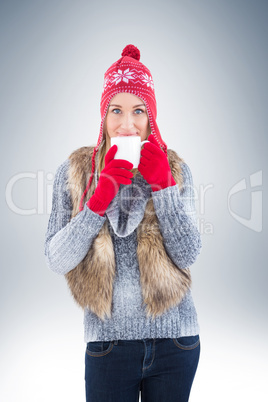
(128, 148)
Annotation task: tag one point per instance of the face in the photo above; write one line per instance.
(127, 115)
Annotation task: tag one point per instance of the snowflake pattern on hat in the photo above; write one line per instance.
(148, 80)
(123, 76)
(126, 76)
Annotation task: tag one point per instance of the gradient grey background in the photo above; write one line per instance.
(209, 64)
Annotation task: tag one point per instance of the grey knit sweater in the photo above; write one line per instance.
(68, 241)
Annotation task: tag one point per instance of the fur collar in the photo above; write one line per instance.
(163, 284)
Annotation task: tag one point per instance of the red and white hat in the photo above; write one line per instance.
(127, 74)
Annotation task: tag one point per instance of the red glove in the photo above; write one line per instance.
(154, 166)
(114, 173)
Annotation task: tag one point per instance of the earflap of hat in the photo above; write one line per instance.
(153, 124)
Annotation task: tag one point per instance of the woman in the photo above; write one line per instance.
(125, 238)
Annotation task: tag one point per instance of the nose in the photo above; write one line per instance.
(127, 121)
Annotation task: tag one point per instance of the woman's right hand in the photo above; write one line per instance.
(115, 172)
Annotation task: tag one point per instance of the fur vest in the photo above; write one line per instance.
(163, 284)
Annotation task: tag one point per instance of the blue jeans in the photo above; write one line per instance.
(163, 369)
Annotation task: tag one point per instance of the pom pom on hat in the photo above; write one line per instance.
(131, 51)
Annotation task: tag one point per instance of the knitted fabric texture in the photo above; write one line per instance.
(67, 241)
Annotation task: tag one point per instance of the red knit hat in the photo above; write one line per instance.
(127, 74)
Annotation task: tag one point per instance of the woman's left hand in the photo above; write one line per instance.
(154, 166)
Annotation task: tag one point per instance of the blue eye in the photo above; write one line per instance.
(139, 110)
(116, 111)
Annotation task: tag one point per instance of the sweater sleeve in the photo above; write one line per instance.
(176, 214)
(67, 240)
